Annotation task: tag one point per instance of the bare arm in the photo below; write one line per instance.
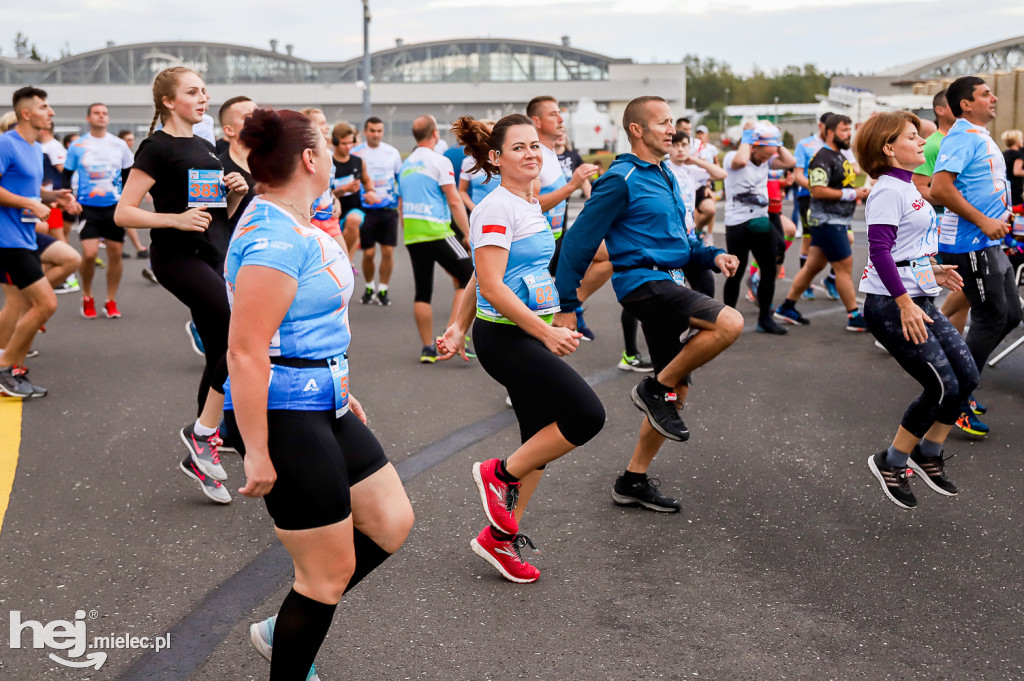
(1018, 168)
(800, 177)
(457, 208)
(464, 193)
(784, 161)
(742, 156)
(924, 185)
(552, 199)
(716, 171)
(128, 213)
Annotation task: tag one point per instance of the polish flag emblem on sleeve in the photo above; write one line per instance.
(494, 229)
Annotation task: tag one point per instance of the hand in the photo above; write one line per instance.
(749, 125)
(727, 263)
(236, 183)
(582, 174)
(370, 198)
(914, 319)
(39, 209)
(452, 343)
(862, 193)
(350, 187)
(561, 341)
(565, 320)
(356, 407)
(947, 277)
(66, 201)
(993, 228)
(193, 220)
(336, 211)
(260, 475)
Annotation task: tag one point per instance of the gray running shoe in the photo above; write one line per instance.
(14, 383)
(210, 487)
(204, 451)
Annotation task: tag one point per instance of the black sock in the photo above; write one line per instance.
(501, 536)
(369, 556)
(302, 624)
(502, 473)
(832, 275)
(629, 325)
(788, 304)
(658, 385)
(631, 478)
(803, 261)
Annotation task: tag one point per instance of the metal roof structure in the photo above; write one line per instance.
(1004, 55)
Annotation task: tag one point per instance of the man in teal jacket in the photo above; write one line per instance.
(636, 208)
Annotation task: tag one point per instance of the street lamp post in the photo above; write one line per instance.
(776, 111)
(366, 59)
(725, 115)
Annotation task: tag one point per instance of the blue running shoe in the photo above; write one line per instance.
(808, 294)
(197, 342)
(971, 426)
(582, 327)
(790, 315)
(262, 636)
(752, 281)
(855, 322)
(977, 407)
(830, 288)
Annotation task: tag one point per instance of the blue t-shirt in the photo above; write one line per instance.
(316, 324)
(456, 155)
(98, 162)
(508, 221)
(805, 151)
(21, 173)
(969, 151)
(552, 179)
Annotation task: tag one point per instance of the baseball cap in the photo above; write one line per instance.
(700, 128)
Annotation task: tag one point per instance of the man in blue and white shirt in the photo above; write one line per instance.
(970, 181)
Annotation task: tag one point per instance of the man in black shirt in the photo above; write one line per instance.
(349, 174)
(235, 159)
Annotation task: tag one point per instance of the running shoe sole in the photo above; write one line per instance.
(625, 366)
(478, 479)
(635, 396)
(258, 643)
(885, 488)
(787, 320)
(192, 340)
(919, 470)
(622, 500)
(483, 553)
(972, 434)
(199, 482)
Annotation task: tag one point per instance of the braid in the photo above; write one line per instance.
(164, 85)
(152, 125)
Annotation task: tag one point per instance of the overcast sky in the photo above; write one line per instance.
(861, 36)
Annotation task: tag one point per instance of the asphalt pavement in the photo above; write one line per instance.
(786, 562)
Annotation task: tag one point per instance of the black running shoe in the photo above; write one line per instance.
(148, 275)
(14, 384)
(382, 299)
(933, 472)
(660, 407)
(768, 325)
(367, 297)
(644, 494)
(895, 481)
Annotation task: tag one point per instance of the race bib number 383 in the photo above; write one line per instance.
(206, 188)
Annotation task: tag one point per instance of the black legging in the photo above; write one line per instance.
(742, 242)
(543, 388)
(197, 280)
(943, 365)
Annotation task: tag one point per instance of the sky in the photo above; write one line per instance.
(858, 37)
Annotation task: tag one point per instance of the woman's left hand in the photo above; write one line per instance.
(356, 407)
(236, 183)
(947, 277)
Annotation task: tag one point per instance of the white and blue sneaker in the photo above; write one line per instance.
(193, 335)
(262, 636)
(830, 288)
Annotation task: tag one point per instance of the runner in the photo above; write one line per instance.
(704, 207)
(748, 229)
(517, 346)
(337, 503)
(23, 202)
(901, 281)
(99, 161)
(429, 205)
(1013, 157)
(970, 181)
(232, 115)
(327, 207)
(350, 177)
(833, 201)
(192, 201)
(636, 209)
(382, 209)
(141, 252)
(805, 151)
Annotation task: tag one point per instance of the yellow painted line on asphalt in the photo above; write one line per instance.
(10, 441)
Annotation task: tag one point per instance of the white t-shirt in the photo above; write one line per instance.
(383, 163)
(56, 152)
(750, 178)
(895, 202)
(705, 152)
(685, 176)
(478, 189)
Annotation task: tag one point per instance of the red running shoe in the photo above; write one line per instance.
(505, 556)
(110, 310)
(88, 307)
(499, 498)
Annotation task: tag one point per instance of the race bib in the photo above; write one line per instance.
(339, 374)
(206, 189)
(677, 276)
(1018, 226)
(542, 297)
(924, 275)
(27, 215)
(948, 224)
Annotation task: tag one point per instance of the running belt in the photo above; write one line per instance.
(302, 362)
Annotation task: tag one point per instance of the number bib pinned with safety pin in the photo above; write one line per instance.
(206, 189)
(339, 374)
(542, 297)
(925, 276)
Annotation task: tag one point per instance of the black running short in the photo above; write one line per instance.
(702, 193)
(448, 253)
(99, 224)
(803, 204)
(380, 226)
(318, 458)
(664, 309)
(20, 266)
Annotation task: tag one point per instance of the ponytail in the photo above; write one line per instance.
(478, 140)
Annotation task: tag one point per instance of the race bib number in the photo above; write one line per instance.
(206, 189)
(948, 224)
(1018, 226)
(339, 374)
(924, 275)
(677, 276)
(542, 297)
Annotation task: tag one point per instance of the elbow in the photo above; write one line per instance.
(120, 216)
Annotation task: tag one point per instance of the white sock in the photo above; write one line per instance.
(203, 431)
(383, 288)
(370, 287)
